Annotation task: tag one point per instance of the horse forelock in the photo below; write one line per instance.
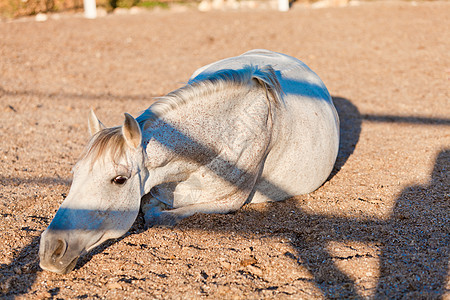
(108, 142)
(211, 83)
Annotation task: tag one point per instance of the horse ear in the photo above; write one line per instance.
(131, 132)
(94, 124)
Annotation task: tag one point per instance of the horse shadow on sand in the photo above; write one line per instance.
(414, 240)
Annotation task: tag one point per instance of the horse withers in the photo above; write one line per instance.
(253, 128)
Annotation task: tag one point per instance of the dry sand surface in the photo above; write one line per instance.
(379, 228)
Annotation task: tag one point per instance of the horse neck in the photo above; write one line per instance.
(193, 129)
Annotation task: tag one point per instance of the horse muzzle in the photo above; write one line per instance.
(57, 253)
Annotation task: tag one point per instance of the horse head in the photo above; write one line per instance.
(104, 199)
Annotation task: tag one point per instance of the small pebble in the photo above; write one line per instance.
(254, 270)
(248, 261)
(225, 265)
(114, 286)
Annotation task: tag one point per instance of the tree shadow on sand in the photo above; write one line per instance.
(414, 243)
(416, 239)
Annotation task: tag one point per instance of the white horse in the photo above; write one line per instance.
(254, 128)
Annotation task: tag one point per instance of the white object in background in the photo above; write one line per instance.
(41, 17)
(90, 9)
(283, 5)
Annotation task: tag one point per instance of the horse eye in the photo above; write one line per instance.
(119, 180)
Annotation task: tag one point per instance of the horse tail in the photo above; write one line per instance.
(268, 79)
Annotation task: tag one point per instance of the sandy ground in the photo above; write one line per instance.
(379, 228)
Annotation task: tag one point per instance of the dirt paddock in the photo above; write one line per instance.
(378, 228)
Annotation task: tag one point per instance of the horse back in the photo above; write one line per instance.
(305, 137)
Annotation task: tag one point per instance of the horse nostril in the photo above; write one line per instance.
(59, 251)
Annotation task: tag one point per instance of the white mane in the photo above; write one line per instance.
(212, 83)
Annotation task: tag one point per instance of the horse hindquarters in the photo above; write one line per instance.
(303, 153)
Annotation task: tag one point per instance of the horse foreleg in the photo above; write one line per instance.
(169, 218)
(151, 207)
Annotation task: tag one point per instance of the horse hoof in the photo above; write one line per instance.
(162, 219)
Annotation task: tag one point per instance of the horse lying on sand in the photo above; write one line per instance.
(253, 128)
